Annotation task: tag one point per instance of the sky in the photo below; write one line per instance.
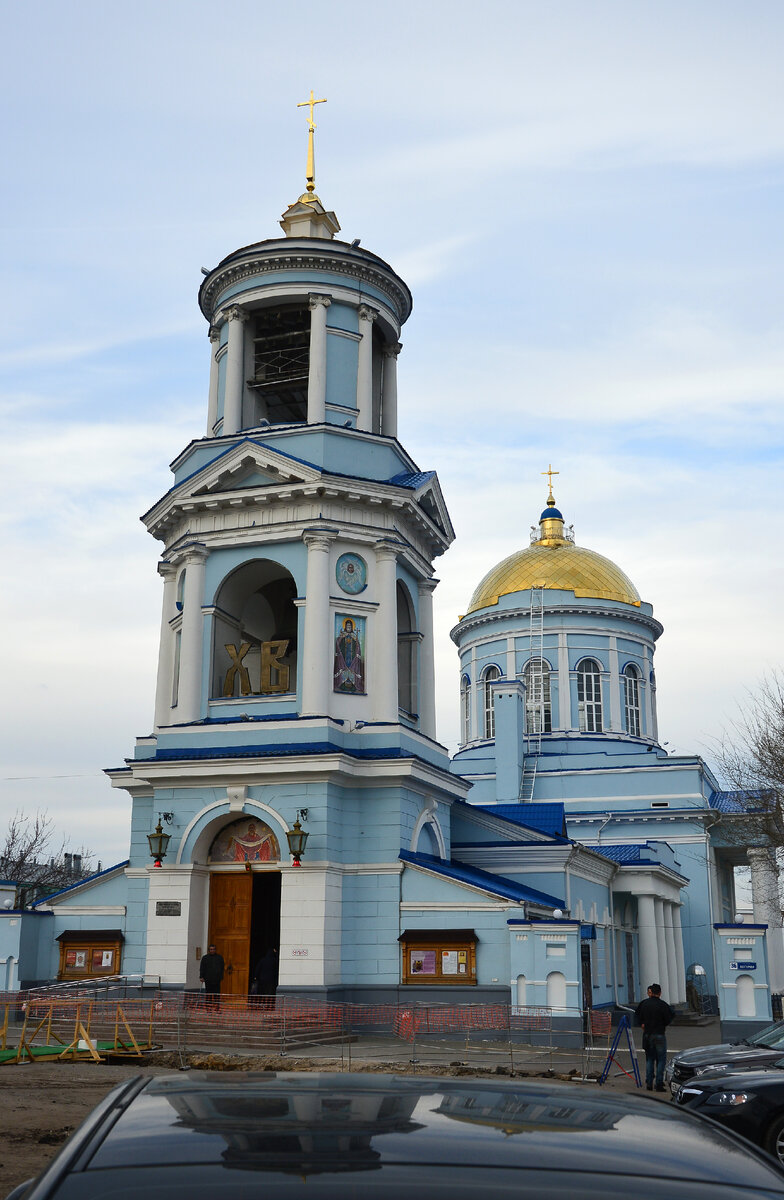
(585, 199)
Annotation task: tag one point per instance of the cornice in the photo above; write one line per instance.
(486, 617)
(257, 260)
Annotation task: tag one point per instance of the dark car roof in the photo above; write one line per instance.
(203, 1133)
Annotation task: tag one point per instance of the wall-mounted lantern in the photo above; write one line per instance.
(296, 837)
(159, 841)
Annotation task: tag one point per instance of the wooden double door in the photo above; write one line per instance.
(244, 923)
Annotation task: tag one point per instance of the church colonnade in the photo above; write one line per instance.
(660, 946)
(381, 418)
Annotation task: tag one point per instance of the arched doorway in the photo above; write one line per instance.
(244, 918)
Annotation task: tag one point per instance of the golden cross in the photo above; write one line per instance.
(550, 472)
(309, 104)
(310, 170)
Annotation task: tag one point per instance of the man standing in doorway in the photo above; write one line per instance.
(211, 973)
(654, 1016)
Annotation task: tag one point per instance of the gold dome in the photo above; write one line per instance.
(554, 562)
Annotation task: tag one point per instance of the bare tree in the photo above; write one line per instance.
(37, 860)
(751, 758)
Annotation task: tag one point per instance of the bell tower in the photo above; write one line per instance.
(295, 670)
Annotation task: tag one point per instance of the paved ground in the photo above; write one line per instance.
(42, 1103)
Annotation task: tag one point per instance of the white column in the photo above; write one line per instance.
(317, 359)
(365, 369)
(163, 685)
(389, 391)
(235, 370)
(646, 942)
(212, 403)
(427, 670)
(189, 694)
(661, 943)
(474, 698)
(648, 728)
(615, 688)
(564, 689)
(384, 682)
(510, 657)
(316, 659)
(680, 961)
(767, 909)
(672, 964)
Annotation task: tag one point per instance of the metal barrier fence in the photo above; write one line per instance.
(505, 1038)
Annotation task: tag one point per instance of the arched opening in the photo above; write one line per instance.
(744, 991)
(407, 653)
(589, 696)
(489, 677)
(427, 842)
(631, 699)
(255, 632)
(280, 364)
(538, 707)
(465, 709)
(520, 991)
(556, 990)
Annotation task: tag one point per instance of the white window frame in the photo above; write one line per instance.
(631, 700)
(465, 707)
(532, 707)
(589, 698)
(489, 676)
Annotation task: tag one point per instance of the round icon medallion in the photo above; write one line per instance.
(351, 573)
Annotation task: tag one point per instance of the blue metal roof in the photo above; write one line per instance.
(737, 802)
(499, 885)
(411, 479)
(278, 750)
(81, 882)
(625, 854)
(546, 818)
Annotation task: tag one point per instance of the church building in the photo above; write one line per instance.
(293, 794)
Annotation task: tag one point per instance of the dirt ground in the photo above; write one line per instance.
(42, 1103)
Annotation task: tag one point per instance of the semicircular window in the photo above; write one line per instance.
(246, 840)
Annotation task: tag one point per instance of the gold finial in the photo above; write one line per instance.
(549, 473)
(310, 172)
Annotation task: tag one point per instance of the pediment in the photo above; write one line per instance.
(430, 499)
(247, 465)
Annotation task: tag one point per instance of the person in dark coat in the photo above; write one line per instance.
(265, 977)
(654, 1016)
(211, 970)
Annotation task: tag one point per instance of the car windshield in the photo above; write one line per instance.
(773, 1036)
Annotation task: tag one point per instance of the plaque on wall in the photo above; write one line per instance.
(168, 908)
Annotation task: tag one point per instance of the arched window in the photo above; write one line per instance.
(488, 678)
(744, 990)
(556, 990)
(589, 696)
(538, 709)
(407, 653)
(631, 698)
(520, 995)
(465, 708)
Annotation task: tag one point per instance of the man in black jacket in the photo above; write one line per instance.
(211, 970)
(654, 1016)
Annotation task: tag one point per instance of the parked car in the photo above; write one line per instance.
(760, 1050)
(749, 1102)
(378, 1137)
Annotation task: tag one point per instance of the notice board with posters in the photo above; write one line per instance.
(88, 953)
(438, 956)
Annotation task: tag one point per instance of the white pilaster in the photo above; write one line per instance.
(473, 700)
(647, 696)
(310, 927)
(680, 961)
(384, 683)
(766, 900)
(365, 369)
(235, 370)
(510, 657)
(427, 670)
(212, 403)
(319, 639)
(389, 391)
(661, 944)
(564, 690)
(163, 684)
(615, 687)
(647, 943)
(672, 996)
(189, 694)
(317, 360)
